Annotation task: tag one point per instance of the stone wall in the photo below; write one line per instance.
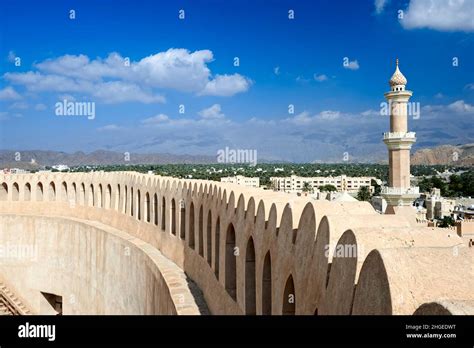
(252, 251)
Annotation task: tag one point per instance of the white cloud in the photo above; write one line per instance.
(226, 85)
(160, 118)
(19, 106)
(109, 127)
(370, 112)
(461, 107)
(380, 5)
(352, 65)
(329, 115)
(452, 15)
(320, 78)
(469, 86)
(276, 70)
(8, 93)
(213, 112)
(116, 79)
(40, 107)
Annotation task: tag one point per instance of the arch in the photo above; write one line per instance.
(250, 289)
(15, 192)
(125, 200)
(217, 243)
(132, 203)
(289, 297)
(99, 197)
(209, 238)
(139, 205)
(27, 192)
(63, 194)
(173, 217)
(108, 197)
(267, 285)
(191, 226)
(52, 191)
(147, 207)
(90, 196)
(4, 192)
(230, 263)
(74, 197)
(182, 223)
(82, 195)
(118, 199)
(201, 232)
(163, 213)
(155, 208)
(39, 192)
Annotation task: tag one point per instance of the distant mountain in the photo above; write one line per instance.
(35, 159)
(458, 155)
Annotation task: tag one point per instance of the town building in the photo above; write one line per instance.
(242, 180)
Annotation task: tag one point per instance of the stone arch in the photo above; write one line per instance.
(182, 223)
(230, 263)
(173, 216)
(118, 199)
(209, 238)
(90, 196)
(217, 239)
(289, 297)
(267, 285)
(132, 202)
(201, 232)
(39, 191)
(250, 289)
(125, 200)
(191, 226)
(138, 201)
(74, 196)
(4, 192)
(155, 208)
(27, 192)
(82, 195)
(52, 191)
(63, 194)
(99, 197)
(147, 208)
(108, 197)
(15, 192)
(163, 213)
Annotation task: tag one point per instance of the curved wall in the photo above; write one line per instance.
(252, 251)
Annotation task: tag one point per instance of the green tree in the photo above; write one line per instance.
(327, 188)
(364, 194)
(446, 222)
(307, 187)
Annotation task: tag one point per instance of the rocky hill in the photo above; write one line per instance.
(458, 155)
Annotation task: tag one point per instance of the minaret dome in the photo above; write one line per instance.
(398, 81)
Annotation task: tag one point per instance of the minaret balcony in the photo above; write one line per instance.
(399, 140)
(413, 190)
(399, 135)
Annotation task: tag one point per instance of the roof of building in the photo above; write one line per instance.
(398, 78)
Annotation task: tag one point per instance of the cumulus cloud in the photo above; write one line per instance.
(276, 70)
(11, 56)
(380, 5)
(452, 15)
(320, 78)
(8, 93)
(461, 107)
(226, 85)
(352, 65)
(213, 112)
(116, 79)
(158, 119)
(329, 115)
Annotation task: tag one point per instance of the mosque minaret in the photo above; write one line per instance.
(399, 141)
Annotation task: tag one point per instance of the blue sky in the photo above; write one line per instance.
(190, 62)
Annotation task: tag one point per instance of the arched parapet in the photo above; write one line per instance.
(446, 307)
(400, 280)
(341, 277)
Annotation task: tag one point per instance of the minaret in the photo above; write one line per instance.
(399, 142)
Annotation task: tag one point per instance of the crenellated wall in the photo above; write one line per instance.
(252, 251)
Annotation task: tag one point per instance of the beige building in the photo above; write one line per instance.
(295, 184)
(242, 180)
